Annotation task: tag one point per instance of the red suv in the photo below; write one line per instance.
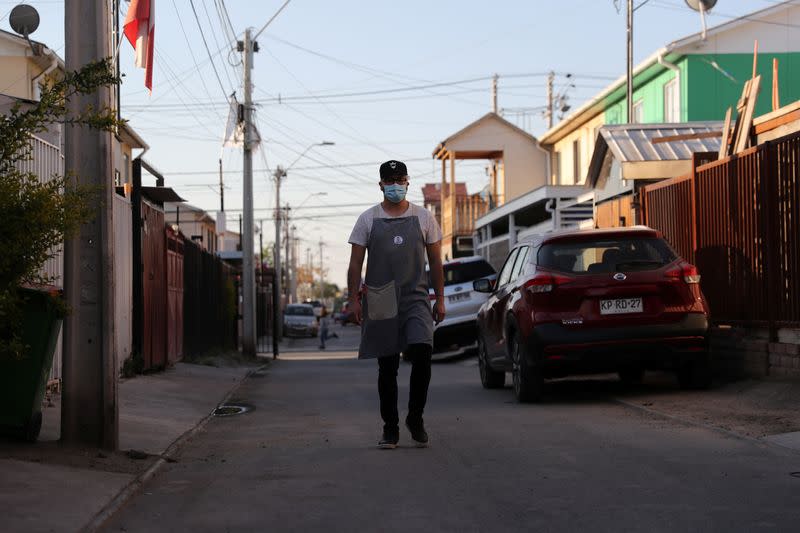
(592, 301)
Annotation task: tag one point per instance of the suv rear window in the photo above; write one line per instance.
(607, 255)
(456, 273)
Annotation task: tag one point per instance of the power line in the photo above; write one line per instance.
(216, 42)
(225, 16)
(208, 51)
(191, 52)
(318, 167)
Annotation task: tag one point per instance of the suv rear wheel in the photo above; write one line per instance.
(490, 378)
(528, 380)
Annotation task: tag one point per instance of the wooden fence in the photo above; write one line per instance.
(737, 220)
(209, 302)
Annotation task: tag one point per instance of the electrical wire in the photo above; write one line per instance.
(216, 42)
(208, 50)
(191, 53)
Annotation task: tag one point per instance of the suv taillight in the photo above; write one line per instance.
(545, 283)
(685, 271)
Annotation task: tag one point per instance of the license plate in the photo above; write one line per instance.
(620, 306)
(458, 297)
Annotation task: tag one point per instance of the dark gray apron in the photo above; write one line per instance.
(396, 308)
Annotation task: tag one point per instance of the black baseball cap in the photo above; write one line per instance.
(393, 169)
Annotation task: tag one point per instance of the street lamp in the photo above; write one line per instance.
(313, 194)
(279, 174)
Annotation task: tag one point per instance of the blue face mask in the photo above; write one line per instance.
(395, 193)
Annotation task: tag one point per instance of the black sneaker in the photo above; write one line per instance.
(418, 433)
(389, 439)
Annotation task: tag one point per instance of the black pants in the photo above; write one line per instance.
(420, 357)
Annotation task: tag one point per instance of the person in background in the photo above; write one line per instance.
(324, 327)
(397, 237)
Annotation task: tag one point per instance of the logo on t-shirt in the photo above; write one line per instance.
(398, 240)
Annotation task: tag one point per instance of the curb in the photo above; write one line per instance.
(715, 429)
(132, 488)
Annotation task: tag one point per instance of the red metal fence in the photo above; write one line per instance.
(737, 220)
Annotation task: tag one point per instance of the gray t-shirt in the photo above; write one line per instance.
(427, 222)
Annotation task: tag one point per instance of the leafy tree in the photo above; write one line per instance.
(38, 214)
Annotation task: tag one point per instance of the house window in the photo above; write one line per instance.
(576, 161)
(672, 101)
(638, 112)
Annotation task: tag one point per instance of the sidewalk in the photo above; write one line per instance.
(767, 409)
(46, 487)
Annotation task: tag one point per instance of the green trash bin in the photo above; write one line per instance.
(22, 381)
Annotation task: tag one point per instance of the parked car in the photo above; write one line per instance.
(317, 305)
(593, 301)
(458, 332)
(299, 319)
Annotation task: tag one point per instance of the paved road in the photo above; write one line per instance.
(349, 337)
(305, 460)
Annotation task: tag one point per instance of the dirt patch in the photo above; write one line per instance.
(51, 452)
(754, 408)
(223, 359)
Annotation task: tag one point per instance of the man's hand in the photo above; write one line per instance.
(438, 311)
(355, 310)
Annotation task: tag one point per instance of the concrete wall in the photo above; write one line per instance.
(123, 278)
(749, 353)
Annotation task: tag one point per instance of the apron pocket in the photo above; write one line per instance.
(381, 302)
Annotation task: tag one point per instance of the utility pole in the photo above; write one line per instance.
(287, 288)
(629, 92)
(221, 189)
(550, 111)
(276, 297)
(293, 291)
(321, 272)
(310, 266)
(248, 271)
(494, 94)
(89, 409)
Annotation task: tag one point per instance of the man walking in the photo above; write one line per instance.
(397, 236)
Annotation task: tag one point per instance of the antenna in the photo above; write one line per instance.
(702, 6)
(24, 20)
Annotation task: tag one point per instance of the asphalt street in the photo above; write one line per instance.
(304, 459)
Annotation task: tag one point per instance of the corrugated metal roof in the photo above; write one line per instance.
(634, 142)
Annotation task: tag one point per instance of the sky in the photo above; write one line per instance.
(382, 80)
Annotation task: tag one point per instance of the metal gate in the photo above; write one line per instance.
(264, 310)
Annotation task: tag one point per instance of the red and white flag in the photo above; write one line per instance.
(139, 28)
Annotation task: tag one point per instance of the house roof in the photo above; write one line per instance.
(160, 195)
(440, 152)
(432, 192)
(670, 52)
(42, 52)
(129, 136)
(632, 145)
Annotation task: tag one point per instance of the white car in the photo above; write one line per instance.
(299, 320)
(458, 332)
